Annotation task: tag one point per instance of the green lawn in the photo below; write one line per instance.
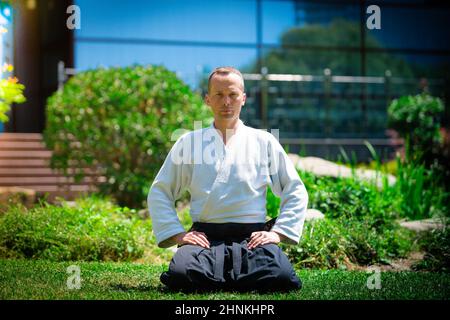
(38, 279)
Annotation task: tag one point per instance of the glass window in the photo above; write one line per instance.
(191, 63)
(169, 20)
(411, 73)
(312, 61)
(310, 108)
(307, 23)
(416, 27)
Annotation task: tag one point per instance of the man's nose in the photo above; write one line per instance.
(226, 100)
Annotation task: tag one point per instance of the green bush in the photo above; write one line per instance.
(94, 229)
(322, 246)
(343, 243)
(349, 197)
(369, 243)
(120, 121)
(417, 119)
(418, 193)
(359, 228)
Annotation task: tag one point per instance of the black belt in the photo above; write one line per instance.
(228, 232)
(223, 231)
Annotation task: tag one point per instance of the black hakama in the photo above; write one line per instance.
(228, 264)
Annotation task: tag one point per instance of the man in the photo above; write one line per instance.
(226, 168)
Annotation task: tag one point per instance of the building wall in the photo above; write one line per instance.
(41, 39)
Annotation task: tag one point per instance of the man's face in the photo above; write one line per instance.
(225, 96)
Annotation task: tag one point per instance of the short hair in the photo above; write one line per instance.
(224, 71)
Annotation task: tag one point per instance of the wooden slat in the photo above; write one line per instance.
(6, 136)
(37, 172)
(13, 181)
(29, 163)
(24, 163)
(52, 188)
(22, 145)
(13, 154)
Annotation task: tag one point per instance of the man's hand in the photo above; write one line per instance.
(192, 237)
(264, 237)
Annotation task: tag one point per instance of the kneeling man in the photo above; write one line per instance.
(226, 168)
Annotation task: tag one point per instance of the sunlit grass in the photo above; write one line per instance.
(39, 279)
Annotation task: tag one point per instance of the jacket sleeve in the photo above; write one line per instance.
(286, 184)
(171, 181)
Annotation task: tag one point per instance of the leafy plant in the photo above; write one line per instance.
(322, 247)
(94, 229)
(120, 122)
(348, 197)
(436, 244)
(11, 91)
(417, 119)
(347, 242)
(359, 227)
(419, 191)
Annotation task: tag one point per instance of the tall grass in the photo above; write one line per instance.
(361, 217)
(418, 192)
(359, 227)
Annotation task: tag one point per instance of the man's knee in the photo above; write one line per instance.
(176, 276)
(182, 259)
(279, 279)
(281, 270)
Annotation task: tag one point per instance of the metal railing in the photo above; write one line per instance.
(270, 106)
(64, 73)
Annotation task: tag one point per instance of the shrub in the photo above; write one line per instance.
(359, 228)
(322, 246)
(369, 243)
(349, 197)
(120, 121)
(344, 242)
(94, 229)
(417, 119)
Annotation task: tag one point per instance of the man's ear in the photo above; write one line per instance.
(244, 99)
(206, 99)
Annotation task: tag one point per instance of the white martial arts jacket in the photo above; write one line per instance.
(227, 183)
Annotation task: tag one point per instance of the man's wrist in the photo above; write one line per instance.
(172, 241)
(281, 237)
(178, 238)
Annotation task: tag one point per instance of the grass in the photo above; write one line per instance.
(41, 279)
